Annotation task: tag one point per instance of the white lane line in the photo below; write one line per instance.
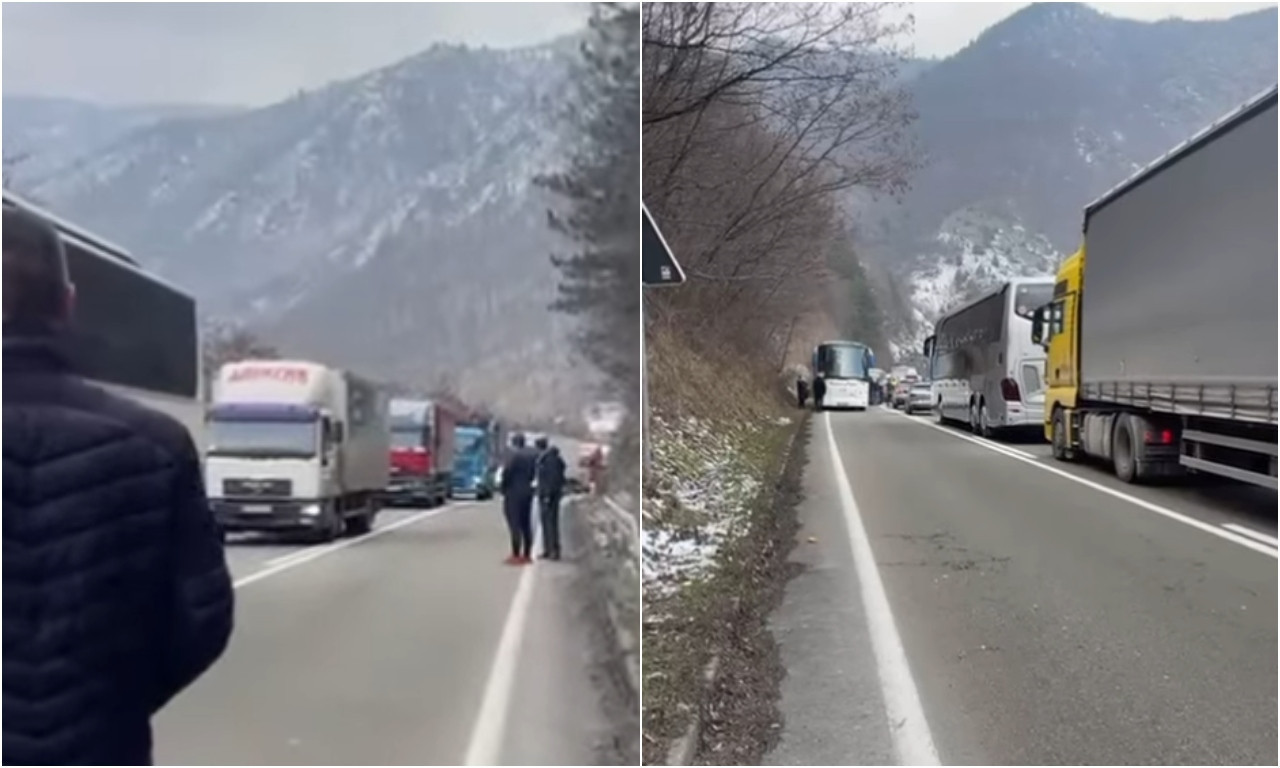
(1258, 535)
(292, 555)
(908, 729)
(314, 553)
(982, 440)
(487, 734)
(1216, 530)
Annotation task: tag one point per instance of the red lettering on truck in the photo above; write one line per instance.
(286, 374)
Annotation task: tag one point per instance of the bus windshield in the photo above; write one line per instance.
(846, 361)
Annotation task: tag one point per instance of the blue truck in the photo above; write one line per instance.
(475, 459)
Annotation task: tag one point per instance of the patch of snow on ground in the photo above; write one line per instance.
(702, 499)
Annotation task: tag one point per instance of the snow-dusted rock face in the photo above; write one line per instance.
(388, 223)
(1037, 117)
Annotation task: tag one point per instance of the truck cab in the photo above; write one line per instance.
(1055, 327)
(422, 435)
(473, 461)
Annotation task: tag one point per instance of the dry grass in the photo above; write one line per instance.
(723, 610)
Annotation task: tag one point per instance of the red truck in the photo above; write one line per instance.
(422, 438)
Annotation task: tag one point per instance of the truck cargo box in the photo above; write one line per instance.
(1178, 307)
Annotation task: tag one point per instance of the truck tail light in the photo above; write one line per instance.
(1158, 437)
(1009, 391)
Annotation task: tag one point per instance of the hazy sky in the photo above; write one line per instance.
(256, 53)
(243, 53)
(944, 28)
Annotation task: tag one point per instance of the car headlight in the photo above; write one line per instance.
(310, 509)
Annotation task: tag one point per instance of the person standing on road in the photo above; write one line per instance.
(518, 476)
(819, 391)
(551, 479)
(116, 589)
(540, 445)
(802, 391)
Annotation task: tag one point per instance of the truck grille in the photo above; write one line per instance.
(257, 486)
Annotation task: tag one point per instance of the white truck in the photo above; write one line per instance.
(296, 446)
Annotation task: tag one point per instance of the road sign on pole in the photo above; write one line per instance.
(658, 267)
(657, 264)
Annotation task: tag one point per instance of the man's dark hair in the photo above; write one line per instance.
(517, 440)
(35, 269)
(540, 443)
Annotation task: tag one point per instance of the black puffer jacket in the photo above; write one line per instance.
(519, 473)
(116, 590)
(551, 469)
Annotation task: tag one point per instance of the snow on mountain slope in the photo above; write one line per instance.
(974, 253)
(389, 223)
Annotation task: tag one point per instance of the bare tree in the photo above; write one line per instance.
(229, 345)
(756, 118)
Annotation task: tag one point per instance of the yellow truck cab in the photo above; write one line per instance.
(1056, 328)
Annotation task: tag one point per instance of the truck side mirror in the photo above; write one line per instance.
(1037, 326)
(928, 346)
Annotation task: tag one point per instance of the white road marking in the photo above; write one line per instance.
(983, 440)
(291, 555)
(314, 553)
(1259, 535)
(1216, 530)
(487, 735)
(908, 729)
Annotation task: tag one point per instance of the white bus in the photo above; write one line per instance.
(132, 332)
(845, 368)
(985, 370)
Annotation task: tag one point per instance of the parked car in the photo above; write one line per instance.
(900, 392)
(920, 398)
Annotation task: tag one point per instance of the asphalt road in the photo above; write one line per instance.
(964, 603)
(413, 645)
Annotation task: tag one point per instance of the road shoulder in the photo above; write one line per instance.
(832, 709)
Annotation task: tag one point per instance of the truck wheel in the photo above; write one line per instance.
(1124, 456)
(1058, 428)
(331, 527)
(360, 524)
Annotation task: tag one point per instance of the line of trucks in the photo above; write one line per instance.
(299, 446)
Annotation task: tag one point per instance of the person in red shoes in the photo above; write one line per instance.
(518, 476)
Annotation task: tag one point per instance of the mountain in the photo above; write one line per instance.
(49, 133)
(389, 223)
(1038, 116)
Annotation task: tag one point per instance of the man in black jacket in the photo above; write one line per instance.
(551, 471)
(116, 589)
(518, 476)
